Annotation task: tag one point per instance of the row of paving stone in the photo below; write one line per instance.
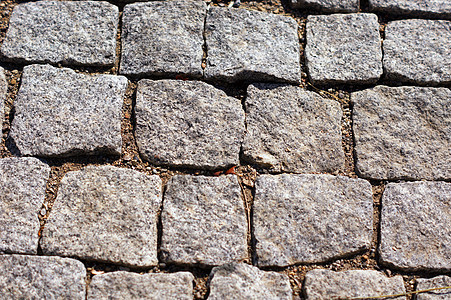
(400, 132)
(39, 277)
(167, 38)
(110, 214)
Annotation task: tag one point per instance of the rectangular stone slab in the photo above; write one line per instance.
(310, 218)
(413, 8)
(61, 113)
(402, 132)
(327, 5)
(40, 277)
(66, 32)
(416, 226)
(22, 192)
(435, 282)
(105, 214)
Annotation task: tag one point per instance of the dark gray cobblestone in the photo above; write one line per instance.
(409, 8)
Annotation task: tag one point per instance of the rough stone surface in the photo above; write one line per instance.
(204, 221)
(416, 226)
(436, 282)
(61, 113)
(428, 8)
(40, 277)
(327, 5)
(418, 51)
(251, 46)
(22, 189)
(127, 285)
(242, 281)
(71, 33)
(292, 130)
(310, 218)
(188, 124)
(3, 90)
(326, 284)
(163, 37)
(403, 132)
(343, 49)
(105, 214)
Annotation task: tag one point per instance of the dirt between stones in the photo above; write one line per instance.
(131, 159)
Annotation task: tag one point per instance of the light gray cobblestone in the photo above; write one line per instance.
(327, 5)
(435, 282)
(410, 8)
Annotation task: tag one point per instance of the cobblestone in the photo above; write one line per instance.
(435, 282)
(3, 90)
(327, 5)
(22, 191)
(411, 8)
(66, 32)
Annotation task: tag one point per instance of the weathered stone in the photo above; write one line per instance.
(3, 90)
(40, 277)
(251, 46)
(327, 5)
(402, 132)
(62, 113)
(204, 221)
(416, 226)
(69, 32)
(127, 285)
(343, 49)
(413, 8)
(436, 282)
(105, 214)
(326, 284)
(242, 281)
(292, 130)
(163, 38)
(310, 218)
(418, 51)
(22, 192)
(188, 124)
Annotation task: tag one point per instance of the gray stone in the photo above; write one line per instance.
(127, 285)
(242, 281)
(343, 49)
(63, 113)
(22, 191)
(204, 221)
(326, 284)
(436, 282)
(327, 5)
(251, 46)
(40, 277)
(188, 124)
(413, 8)
(290, 129)
(416, 226)
(105, 214)
(71, 33)
(418, 51)
(310, 218)
(402, 132)
(163, 38)
(3, 90)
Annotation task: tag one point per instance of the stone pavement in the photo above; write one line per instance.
(183, 149)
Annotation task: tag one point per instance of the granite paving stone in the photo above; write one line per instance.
(411, 8)
(290, 129)
(327, 5)
(402, 132)
(416, 226)
(242, 281)
(327, 284)
(204, 221)
(253, 46)
(22, 190)
(156, 286)
(59, 112)
(418, 51)
(435, 282)
(343, 49)
(310, 218)
(40, 277)
(66, 32)
(3, 90)
(163, 38)
(188, 124)
(107, 214)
